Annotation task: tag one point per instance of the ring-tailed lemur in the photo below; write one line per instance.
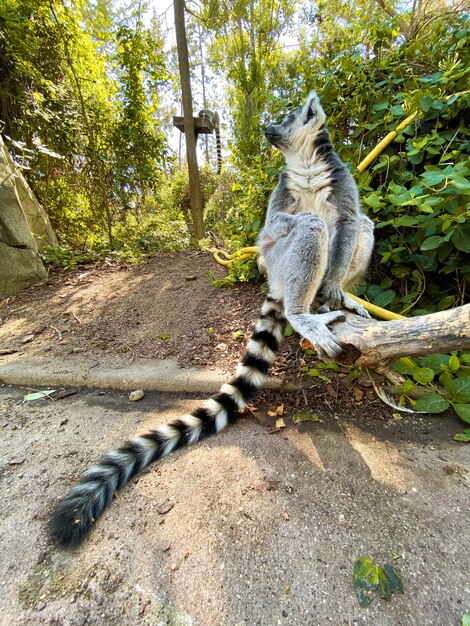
(214, 119)
(315, 235)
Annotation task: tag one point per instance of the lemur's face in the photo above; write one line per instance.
(298, 127)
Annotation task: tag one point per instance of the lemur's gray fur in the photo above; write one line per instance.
(314, 237)
(214, 119)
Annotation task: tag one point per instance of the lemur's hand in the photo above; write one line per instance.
(334, 299)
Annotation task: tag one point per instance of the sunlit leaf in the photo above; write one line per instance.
(431, 403)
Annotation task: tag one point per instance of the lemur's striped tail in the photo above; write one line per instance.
(75, 515)
(218, 141)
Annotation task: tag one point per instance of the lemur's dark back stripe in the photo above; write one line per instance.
(325, 149)
(75, 515)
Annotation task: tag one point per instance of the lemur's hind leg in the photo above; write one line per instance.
(336, 297)
(361, 256)
(295, 249)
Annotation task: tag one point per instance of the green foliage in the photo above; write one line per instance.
(417, 190)
(368, 577)
(245, 47)
(446, 379)
(239, 272)
(82, 85)
(82, 89)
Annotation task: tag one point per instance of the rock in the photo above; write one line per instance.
(24, 229)
(38, 223)
(138, 394)
(19, 268)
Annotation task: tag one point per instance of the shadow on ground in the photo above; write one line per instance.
(264, 529)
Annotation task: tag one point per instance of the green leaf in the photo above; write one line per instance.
(373, 201)
(381, 106)
(425, 103)
(38, 395)
(423, 375)
(460, 181)
(366, 580)
(432, 78)
(431, 243)
(466, 619)
(461, 237)
(433, 177)
(397, 109)
(463, 436)
(445, 378)
(404, 366)
(306, 417)
(288, 331)
(369, 577)
(434, 361)
(407, 387)
(454, 363)
(431, 403)
(463, 411)
(318, 374)
(389, 582)
(384, 298)
(354, 374)
(458, 390)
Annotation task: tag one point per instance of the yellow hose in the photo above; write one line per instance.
(375, 310)
(380, 147)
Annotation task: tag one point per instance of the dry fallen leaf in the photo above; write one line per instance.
(331, 392)
(249, 408)
(358, 394)
(280, 423)
(280, 410)
(306, 345)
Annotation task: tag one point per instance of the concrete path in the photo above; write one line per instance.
(264, 528)
(115, 373)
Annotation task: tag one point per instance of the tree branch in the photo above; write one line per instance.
(377, 344)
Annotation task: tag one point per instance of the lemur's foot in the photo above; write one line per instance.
(315, 329)
(326, 344)
(336, 299)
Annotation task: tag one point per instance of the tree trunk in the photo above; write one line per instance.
(189, 132)
(376, 344)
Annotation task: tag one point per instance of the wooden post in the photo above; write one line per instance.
(190, 135)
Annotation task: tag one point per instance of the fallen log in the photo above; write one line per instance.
(376, 344)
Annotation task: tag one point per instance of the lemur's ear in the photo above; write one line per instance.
(311, 106)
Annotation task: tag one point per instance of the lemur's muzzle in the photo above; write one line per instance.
(271, 133)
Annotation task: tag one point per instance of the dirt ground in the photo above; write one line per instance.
(261, 527)
(264, 524)
(165, 307)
